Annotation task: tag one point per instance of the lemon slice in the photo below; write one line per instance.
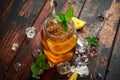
(73, 76)
(62, 47)
(78, 23)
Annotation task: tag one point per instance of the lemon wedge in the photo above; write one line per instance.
(78, 23)
(73, 76)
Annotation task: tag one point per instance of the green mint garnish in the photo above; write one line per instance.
(64, 18)
(39, 64)
(40, 59)
(93, 41)
(35, 69)
(69, 14)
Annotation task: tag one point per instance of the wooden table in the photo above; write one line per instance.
(17, 15)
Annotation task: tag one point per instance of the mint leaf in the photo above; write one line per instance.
(40, 58)
(64, 26)
(88, 39)
(92, 41)
(35, 69)
(45, 66)
(58, 18)
(62, 16)
(40, 64)
(95, 43)
(69, 14)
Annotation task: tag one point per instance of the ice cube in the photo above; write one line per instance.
(63, 68)
(82, 70)
(17, 66)
(84, 58)
(30, 32)
(80, 49)
(36, 53)
(14, 46)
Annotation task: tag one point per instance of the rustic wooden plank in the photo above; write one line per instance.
(113, 71)
(4, 8)
(27, 59)
(24, 55)
(20, 15)
(105, 29)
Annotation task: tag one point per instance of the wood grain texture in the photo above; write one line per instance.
(12, 30)
(105, 30)
(113, 71)
(24, 55)
(5, 8)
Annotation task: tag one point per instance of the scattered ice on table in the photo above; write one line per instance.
(84, 58)
(81, 44)
(81, 59)
(82, 70)
(30, 32)
(17, 66)
(36, 53)
(92, 53)
(84, 51)
(63, 68)
(14, 46)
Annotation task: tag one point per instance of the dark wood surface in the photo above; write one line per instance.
(17, 15)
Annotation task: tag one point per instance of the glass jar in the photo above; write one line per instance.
(58, 45)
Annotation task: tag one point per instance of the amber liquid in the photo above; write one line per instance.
(58, 51)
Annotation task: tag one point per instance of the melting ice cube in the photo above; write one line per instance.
(14, 46)
(30, 32)
(82, 70)
(17, 66)
(63, 68)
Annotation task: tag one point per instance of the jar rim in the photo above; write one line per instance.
(54, 37)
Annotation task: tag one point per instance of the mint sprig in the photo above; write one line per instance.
(69, 14)
(39, 64)
(93, 41)
(64, 18)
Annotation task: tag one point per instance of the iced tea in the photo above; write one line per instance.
(58, 45)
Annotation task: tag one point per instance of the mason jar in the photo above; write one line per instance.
(58, 45)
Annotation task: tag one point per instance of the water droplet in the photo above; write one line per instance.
(99, 76)
(17, 66)
(14, 46)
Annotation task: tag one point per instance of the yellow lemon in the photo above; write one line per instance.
(78, 23)
(73, 76)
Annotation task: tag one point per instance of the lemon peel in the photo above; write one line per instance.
(78, 23)
(73, 76)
